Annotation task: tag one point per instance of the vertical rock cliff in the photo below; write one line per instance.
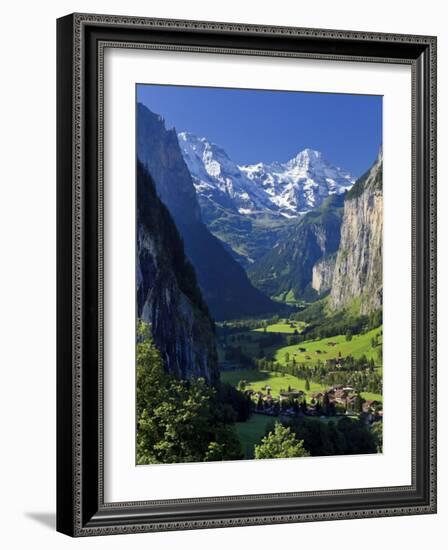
(224, 283)
(357, 278)
(322, 276)
(168, 297)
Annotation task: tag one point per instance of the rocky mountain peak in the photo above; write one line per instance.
(305, 159)
(288, 189)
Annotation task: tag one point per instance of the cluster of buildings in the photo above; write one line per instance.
(337, 400)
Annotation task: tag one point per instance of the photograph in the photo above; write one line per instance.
(259, 274)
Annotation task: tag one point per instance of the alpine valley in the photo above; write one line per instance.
(259, 290)
(282, 221)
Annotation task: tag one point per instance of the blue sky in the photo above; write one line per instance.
(263, 125)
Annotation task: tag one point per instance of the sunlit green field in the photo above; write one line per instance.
(360, 344)
(257, 380)
(283, 328)
(315, 350)
(372, 396)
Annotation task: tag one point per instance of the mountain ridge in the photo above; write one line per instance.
(287, 269)
(288, 188)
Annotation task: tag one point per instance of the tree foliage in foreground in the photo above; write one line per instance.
(281, 443)
(178, 420)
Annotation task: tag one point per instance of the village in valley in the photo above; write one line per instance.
(338, 400)
(288, 375)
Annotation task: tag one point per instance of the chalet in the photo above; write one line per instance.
(372, 406)
(332, 344)
(337, 362)
(294, 394)
(340, 395)
(316, 395)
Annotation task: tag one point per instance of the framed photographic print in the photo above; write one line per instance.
(246, 274)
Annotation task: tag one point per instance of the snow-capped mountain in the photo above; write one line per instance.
(302, 183)
(291, 188)
(217, 178)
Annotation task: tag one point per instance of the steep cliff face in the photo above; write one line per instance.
(168, 297)
(322, 277)
(158, 150)
(287, 270)
(224, 283)
(357, 278)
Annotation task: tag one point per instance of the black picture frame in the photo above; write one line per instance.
(81, 510)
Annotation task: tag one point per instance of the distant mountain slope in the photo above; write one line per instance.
(358, 271)
(224, 283)
(252, 208)
(248, 237)
(168, 297)
(286, 272)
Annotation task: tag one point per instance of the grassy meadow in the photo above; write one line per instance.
(257, 380)
(283, 328)
(316, 350)
(251, 342)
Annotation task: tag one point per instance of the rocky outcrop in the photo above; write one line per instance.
(357, 278)
(168, 297)
(322, 277)
(287, 270)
